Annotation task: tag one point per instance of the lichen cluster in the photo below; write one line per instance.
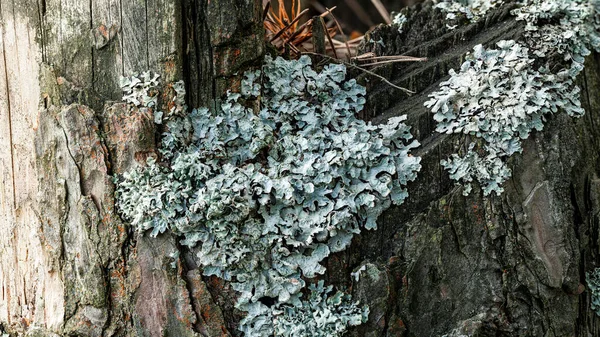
(324, 313)
(499, 96)
(140, 90)
(266, 194)
(593, 282)
(472, 10)
(399, 21)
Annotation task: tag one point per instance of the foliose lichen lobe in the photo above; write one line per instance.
(501, 95)
(593, 283)
(473, 10)
(266, 194)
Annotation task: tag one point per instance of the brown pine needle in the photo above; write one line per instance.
(289, 25)
(364, 56)
(306, 24)
(294, 10)
(385, 80)
(339, 27)
(329, 38)
(397, 57)
(266, 10)
(297, 32)
(382, 11)
(392, 61)
(294, 48)
(357, 39)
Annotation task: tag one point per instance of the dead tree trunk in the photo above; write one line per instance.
(68, 265)
(512, 265)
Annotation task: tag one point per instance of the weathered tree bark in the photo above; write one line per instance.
(511, 265)
(68, 265)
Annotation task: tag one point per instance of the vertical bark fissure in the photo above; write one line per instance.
(211, 63)
(121, 38)
(587, 98)
(41, 4)
(209, 72)
(14, 234)
(63, 247)
(10, 129)
(12, 162)
(185, 51)
(78, 165)
(440, 169)
(147, 36)
(108, 300)
(195, 37)
(25, 292)
(92, 51)
(63, 60)
(184, 270)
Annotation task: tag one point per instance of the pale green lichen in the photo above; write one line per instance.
(268, 195)
(140, 90)
(501, 95)
(593, 282)
(324, 314)
(399, 21)
(472, 10)
(356, 274)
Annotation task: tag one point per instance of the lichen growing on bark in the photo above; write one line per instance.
(501, 95)
(269, 194)
(473, 10)
(593, 283)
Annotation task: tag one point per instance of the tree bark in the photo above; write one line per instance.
(509, 265)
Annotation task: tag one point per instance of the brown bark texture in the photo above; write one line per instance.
(442, 263)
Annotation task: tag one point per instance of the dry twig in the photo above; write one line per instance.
(347, 64)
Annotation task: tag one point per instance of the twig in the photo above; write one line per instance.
(293, 48)
(364, 56)
(348, 51)
(382, 11)
(393, 57)
(288, 26)
(410, 92)
(304, 25)
(357, 39)
(266, 10)
(392, 61)
(329, 38)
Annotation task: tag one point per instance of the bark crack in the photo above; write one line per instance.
(9, 115)
(79, 171)
(42, 15)
(93, 65)
(184, 270)
(147, 36)
(589, 103)
(121, 37)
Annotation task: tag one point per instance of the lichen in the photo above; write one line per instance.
(399, 21)
(267, 195)
(324, 314)
(500, 96)
(472, 10)
(356, 274)
(140, 90)
(593, 282)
